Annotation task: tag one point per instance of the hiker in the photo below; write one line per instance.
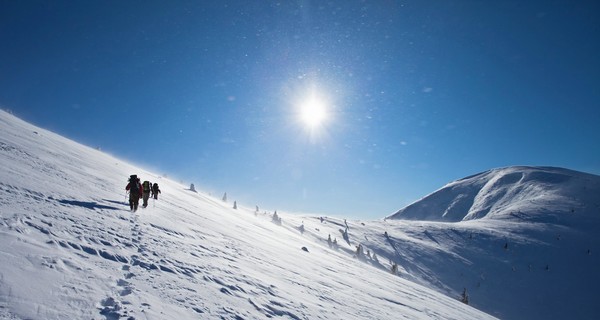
(135, 192)
(155, 191)
(146, 192)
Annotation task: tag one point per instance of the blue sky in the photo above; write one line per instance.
(417, 93)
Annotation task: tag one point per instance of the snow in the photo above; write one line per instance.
(71, 249)
(528, 193)
(520, 240)
(523, 241)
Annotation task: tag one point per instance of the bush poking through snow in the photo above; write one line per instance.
(276, 219)
(464, 297)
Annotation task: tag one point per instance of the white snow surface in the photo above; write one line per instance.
(533, 194)
(522, 241)
(71, 249)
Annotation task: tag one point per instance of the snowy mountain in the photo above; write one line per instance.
(71, 249)
(534, 194)
(521, 241)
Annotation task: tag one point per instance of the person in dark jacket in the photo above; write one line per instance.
(146, 186)
(135, 192)
(155, 190)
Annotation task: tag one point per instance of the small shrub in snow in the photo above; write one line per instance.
(464, 297)
(276, 219)
(394, 268)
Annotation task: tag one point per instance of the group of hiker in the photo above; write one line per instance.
(140, 190)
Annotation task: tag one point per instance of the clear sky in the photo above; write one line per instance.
(405, 95)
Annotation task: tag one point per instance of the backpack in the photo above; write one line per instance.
(146, 186)
(134, 185)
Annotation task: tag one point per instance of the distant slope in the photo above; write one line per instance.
(514, 193)
(524, 241)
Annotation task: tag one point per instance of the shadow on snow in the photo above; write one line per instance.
(88, 205)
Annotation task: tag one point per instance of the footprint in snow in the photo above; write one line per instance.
(127, 287)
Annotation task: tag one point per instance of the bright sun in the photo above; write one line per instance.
(313, 112)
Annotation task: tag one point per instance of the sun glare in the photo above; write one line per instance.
(313, 112)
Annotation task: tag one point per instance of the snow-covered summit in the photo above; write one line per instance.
(523, 240)
(520, 193)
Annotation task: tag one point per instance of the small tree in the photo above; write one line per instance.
(276, 219)
(345, 235)
(464, 297)
(360, 252)
(394, 268)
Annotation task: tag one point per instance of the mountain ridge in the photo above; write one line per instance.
(516, 192)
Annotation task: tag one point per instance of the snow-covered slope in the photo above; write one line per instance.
(71, 249)
(542, 194)
(524, 241)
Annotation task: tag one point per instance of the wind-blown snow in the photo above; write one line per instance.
(522, 241)
(71, 249)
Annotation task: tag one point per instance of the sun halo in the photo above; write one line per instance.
(313, 112)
